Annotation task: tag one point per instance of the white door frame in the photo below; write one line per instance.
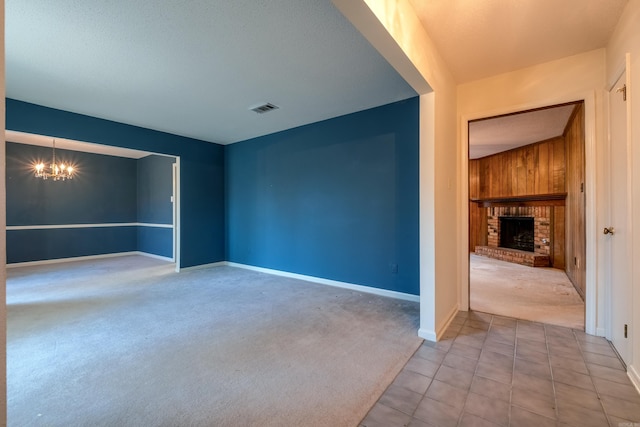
(176, 213)
(592, 309)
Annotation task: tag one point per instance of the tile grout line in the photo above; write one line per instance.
(475, 370)
(513, 369)
(553, 382)
(424, 395)
(604, 410)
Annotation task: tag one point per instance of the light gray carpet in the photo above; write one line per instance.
(538, 294)
(128, 342)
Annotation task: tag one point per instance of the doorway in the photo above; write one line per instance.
(527, 173)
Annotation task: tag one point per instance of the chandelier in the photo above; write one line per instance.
(55, 171)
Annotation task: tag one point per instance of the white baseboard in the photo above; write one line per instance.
(85, 258)
(600, 332)
(201, 266)
(634, 376)
(427, 334)
(338, 284)
(160, 257)
(102, 225)
(443, 327)
(434, 336)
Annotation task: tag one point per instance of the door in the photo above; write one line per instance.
(618, 233)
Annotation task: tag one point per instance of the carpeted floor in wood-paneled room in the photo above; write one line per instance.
(538, 294)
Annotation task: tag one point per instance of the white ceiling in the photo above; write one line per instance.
(73, 145)
(195, 67)
(494, 135)
(482, 38)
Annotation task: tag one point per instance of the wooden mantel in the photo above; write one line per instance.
(553, 199)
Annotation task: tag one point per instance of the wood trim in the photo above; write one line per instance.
(554, 199)
(546, 107)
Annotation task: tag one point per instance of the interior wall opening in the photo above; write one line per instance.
(118, 201)
(527, 235)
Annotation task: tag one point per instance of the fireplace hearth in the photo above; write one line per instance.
(528, 232)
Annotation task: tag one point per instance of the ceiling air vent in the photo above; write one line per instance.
(264, 108)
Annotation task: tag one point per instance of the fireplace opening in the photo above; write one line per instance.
(516, 233)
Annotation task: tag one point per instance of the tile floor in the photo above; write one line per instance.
(498, 371)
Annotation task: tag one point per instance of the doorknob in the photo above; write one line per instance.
(609, 230)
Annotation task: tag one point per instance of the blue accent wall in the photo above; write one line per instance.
(336, 199)
(202, 169)
(154, 240)
(101, 192)
(155, 188)
(35, 245)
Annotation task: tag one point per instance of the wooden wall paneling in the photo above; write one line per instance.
(483, 177)
(558, 243)
(531, 166)
(482, 229)
(575, 237)
(537, 168)
(542, 170)
(558, 166)
(570, 268)
(474, 184)
(495, 169)
(473, 227)
(474, 193)
(550, 155)
(522, 172)
(505, 170)
(514, 172)
(477, 237)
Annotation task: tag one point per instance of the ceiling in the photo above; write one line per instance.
(73, 145)
(196, 67)
(497, 134)
(482, 38)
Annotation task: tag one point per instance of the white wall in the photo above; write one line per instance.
(394, 29)
(626, 40)
(439, 213)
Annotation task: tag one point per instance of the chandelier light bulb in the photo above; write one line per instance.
(57, 172)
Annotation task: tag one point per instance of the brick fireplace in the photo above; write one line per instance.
(542, 232)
